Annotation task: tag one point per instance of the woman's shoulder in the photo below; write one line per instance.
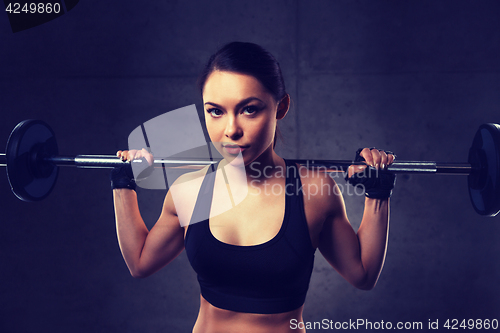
(182, 194)
(319, 188)
(191, 176)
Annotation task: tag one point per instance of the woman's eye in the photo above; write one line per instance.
(250, 110)
(215, 112)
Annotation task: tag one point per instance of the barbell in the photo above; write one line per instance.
(32, 164)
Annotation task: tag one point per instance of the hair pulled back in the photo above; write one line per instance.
(250, 59)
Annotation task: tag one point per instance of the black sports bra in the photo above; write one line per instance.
(272, 277)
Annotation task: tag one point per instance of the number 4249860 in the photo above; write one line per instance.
(33, 7)
(478, 324)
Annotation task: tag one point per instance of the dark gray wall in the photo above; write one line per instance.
(417, 77)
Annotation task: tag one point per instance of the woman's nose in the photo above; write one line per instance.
(233, 131)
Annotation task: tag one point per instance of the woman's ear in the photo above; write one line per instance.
(283, 107)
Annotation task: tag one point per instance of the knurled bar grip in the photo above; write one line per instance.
(110, 161)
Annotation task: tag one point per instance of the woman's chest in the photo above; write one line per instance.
(255, 220)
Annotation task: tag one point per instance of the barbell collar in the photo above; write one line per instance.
(455, 169)
(3, 160)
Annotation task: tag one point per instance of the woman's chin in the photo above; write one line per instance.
(234, 160)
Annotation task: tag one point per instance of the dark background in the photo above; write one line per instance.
(416, 77)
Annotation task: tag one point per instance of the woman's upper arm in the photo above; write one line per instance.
(164, 242)
(338, 242)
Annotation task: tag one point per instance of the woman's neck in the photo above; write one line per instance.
(266, 166)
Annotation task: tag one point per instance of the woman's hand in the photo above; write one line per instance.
(130, 155)
(122, 176)
(376, 185)
(376, 158)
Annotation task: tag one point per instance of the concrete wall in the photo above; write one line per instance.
(416, 77)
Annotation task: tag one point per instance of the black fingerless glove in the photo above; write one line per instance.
(123, 177)
(377, 184)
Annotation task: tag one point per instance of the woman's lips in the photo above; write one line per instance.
(234, 149)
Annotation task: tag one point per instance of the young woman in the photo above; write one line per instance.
(254, 260)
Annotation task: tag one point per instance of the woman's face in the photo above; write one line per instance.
(240, 115)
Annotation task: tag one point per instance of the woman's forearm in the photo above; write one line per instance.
(130, 228)
(372, 235)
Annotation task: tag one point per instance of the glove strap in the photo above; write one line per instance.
(123, 177)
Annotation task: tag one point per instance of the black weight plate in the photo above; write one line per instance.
(484, 183)
(30, 177)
